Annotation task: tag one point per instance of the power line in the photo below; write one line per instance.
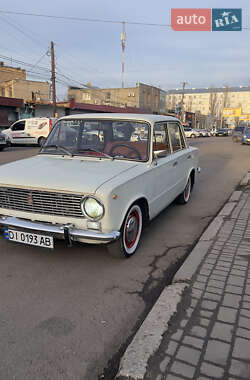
(84, 19)
(39, 60)
(21, 31)
(71, 18)
(19, 62)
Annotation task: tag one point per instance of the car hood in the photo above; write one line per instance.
(62, 173)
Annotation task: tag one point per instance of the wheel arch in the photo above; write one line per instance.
(143, 203)
(192, 175)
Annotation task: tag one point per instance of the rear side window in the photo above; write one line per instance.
(175, 136)
(161, 140)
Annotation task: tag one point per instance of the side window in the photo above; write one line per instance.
(161, 139)
(19, 126)
(175, 137)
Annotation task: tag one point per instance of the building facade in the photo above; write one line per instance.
(9, 111)
(210, 101)
(144, 97)
(9, 73)
(25, 89)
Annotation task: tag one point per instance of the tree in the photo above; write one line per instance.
(213, 100)
(224, 104)
(190, 104)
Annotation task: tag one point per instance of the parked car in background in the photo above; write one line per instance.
(229, 131)
(3, 142)
(245, 139)
(29, 131)
(213, 132)
(190, 132)
(204, 132)
(221, 132)
(101, 190)
(237, 133)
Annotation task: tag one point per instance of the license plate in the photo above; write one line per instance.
(29, 238)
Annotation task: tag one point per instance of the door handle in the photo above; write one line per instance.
(189, 156)
(175, 163)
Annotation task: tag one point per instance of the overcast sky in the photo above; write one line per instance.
(91, 51)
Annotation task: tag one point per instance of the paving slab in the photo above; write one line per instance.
(209, 337)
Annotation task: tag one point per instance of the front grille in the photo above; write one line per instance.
(42, 202)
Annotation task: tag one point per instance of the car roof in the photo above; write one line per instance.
(34, 118)
(124, 116)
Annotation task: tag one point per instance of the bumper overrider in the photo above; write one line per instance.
(64, 231)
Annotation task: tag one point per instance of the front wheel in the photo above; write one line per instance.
(130, 234)
(193, 136)
(184, 197)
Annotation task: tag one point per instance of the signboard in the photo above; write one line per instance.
(226, 20)
(245, 117)
(231, 112)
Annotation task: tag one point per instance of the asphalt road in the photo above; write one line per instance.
(68, 314)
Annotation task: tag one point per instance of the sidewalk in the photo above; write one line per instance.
(200, 326)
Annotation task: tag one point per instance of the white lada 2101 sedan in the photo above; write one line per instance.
(98, 179)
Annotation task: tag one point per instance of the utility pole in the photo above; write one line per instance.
(123, 41)
(182, 100)
(53, 78)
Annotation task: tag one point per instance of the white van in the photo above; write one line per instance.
(29, 131)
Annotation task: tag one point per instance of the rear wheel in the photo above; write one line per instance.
(184, 197)
(130, 234)
(41, 141)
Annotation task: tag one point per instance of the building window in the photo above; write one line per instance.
(2, 92)
(10, 91)
(86, 96)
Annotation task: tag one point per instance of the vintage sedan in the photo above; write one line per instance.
(99, 178)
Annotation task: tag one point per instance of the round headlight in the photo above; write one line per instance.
(92, 208)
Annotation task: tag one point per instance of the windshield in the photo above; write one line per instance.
(99, 138)
(247, 130)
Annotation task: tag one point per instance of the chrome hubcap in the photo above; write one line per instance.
(132, 228)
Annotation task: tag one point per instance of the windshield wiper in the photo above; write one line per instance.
(94, 150)
(59, 147)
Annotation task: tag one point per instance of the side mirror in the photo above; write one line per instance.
(160, 153)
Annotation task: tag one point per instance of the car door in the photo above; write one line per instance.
(162, 172)
(181, 156)
(17, 134)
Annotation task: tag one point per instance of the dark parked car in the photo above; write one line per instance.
(246, 136)
(237, 133)
(222, 132)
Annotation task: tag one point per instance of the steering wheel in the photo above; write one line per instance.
(126, 146)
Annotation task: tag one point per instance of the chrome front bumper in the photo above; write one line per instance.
(65, 231)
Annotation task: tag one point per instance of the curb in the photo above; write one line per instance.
(133, 365)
